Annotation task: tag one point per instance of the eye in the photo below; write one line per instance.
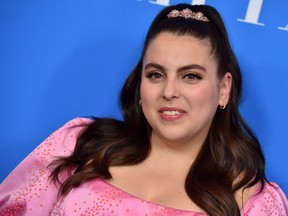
(192, 76)
(154, 75)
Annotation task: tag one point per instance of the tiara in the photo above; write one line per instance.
(188, 14)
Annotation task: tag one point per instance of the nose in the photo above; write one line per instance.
(170, 90)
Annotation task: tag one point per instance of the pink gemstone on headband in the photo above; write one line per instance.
(173, 13)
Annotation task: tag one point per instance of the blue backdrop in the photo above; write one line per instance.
(64, 59)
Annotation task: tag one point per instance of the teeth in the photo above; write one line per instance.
(171, 113)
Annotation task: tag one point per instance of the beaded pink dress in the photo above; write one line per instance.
(28, 191)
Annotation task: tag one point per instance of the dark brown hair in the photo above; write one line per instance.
(230, 152)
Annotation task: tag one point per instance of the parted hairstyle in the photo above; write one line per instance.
(230, 158)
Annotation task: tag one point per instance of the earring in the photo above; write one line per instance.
(222, 107)
(140, 102)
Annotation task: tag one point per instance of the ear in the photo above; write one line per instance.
(225, 89)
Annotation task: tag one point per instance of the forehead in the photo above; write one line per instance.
(179, 48)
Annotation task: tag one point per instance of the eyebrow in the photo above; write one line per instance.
(186, 67)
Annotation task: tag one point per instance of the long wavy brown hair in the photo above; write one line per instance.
(230, 152)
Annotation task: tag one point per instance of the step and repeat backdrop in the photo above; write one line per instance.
(64, 59)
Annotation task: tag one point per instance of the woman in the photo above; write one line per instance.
(182, 148)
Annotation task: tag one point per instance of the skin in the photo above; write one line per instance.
(180, 93)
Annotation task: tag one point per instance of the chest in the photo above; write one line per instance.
(162, 188)
(98, 196)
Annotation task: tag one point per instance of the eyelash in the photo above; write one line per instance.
(193, 76)
(188, 76)
(154, 75)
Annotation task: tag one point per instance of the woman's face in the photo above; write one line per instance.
(180, 90)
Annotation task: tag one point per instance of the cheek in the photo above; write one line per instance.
(147, 98)
(143, 91)
(147, 91)
(207, 94)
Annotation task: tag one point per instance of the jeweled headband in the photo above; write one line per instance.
(188, 14)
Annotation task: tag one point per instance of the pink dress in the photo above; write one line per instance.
(28, 191)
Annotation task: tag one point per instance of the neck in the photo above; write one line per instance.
(178, 153)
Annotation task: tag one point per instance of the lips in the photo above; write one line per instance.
(171, 113)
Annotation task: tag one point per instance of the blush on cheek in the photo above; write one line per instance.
(144, 91)
(205, 95)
